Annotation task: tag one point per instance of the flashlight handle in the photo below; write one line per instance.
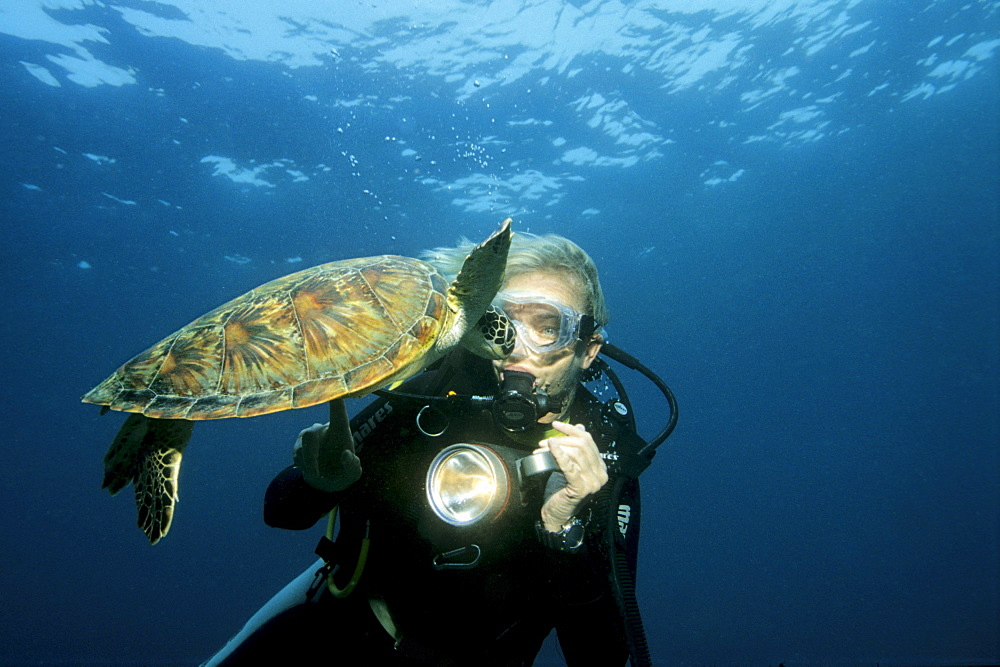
(536, 464)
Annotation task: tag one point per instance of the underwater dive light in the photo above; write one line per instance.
(468, 483)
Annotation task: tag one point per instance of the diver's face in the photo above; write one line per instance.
(556, 371)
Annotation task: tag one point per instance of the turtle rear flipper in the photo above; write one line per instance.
(156, 490)
(147, 453)
(122, 460)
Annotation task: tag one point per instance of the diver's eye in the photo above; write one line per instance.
(549, 333)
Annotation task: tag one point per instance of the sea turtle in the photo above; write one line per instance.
(336, 330)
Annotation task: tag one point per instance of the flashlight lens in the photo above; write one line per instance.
(463, 485)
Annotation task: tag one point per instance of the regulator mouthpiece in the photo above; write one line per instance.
(517, 406)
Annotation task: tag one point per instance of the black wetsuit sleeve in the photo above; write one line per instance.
(293, 504)
(290, 502)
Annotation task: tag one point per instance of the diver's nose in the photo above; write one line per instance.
(520, 350)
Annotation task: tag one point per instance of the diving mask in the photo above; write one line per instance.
(544, 325)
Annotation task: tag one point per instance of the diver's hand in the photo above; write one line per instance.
(585, 471)
(325, 452)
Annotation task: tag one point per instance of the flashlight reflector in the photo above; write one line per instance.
(467, 483)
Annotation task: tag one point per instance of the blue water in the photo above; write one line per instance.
(794, 207)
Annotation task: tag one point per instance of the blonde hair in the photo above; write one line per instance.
(530, 253)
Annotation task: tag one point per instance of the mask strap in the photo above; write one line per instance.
(588, 325)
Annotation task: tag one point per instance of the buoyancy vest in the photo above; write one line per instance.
(417, 571)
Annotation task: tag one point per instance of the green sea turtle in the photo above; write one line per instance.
(336, 330)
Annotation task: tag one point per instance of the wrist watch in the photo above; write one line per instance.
(568, 540)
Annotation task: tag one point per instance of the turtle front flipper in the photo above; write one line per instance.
(473, 290)
(147, 453)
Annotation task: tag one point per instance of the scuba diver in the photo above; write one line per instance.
(479, 505)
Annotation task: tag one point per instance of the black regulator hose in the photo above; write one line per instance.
(615, 353)
(609, 350)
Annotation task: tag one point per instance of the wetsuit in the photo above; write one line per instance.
(495, 613)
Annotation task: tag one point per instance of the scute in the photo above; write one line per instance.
(333, 330)
(189, 367)
(262, 347)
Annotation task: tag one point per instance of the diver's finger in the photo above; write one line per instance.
(569, 429)
(584, 456)
(570, 461)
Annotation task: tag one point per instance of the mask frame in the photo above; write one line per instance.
(573, 325)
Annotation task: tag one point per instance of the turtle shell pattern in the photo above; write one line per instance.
(337, 329)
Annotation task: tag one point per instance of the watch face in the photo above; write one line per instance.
(568, 539)
(573, 536)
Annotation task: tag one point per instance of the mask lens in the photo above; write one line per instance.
(541, 325)
(541, 322)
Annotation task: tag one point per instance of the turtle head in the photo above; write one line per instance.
(493, 336)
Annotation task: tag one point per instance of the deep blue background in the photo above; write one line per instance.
(829, 323)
